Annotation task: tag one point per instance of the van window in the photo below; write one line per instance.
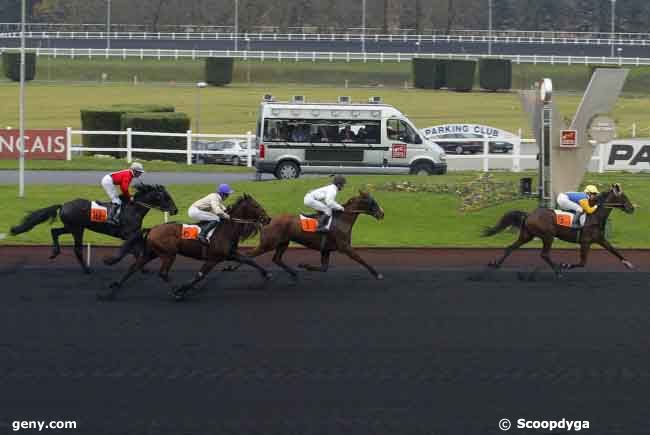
(396, 129)
(322, 131)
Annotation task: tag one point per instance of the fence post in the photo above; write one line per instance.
(486, 166)
(249, 157)
(129, 145)
(189, 147)
(68, 139)
(601, 158)
(516, 152)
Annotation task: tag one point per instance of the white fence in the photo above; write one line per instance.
(189, 149)
(330, 56)
(509, 37)
(515, 160)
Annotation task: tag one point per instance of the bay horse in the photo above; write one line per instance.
(166, 241)
(541, 223)
(287, 228)
(75, 216)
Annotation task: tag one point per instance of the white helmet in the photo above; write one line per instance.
(137, 167)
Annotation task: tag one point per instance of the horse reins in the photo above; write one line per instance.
(149, 206)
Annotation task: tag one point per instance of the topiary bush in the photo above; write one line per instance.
(11, 65)
(459, 75)
(175, 122)
(428, 73)
(218, 70)
(495, 74)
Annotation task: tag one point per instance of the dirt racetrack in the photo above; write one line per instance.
(429, 350)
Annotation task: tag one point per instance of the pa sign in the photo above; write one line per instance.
(629, 155)
(38, 144)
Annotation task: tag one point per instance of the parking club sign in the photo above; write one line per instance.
(39, 144)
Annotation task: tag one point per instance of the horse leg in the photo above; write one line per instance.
(605, 244)
(56, 247)
(180, 292)
(166, 263)
(356, 257)
(524, 237)
(78, 234)
(324, 263)
(243, 259)
(547, 242)
(277, 259)
(135, 266)
(126, 248)
(584, 254)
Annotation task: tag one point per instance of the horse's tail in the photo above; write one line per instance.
(513, 218)
(36, 217)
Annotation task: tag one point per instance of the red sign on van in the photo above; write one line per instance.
(39, 144)
(399, 150)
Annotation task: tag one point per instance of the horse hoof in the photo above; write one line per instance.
(88, 271)
(104, 297)
(628, 264)
(109, 261)
(145, 271)
(114, 285)
(302, 266)
(267, 276)
(380, 276)
(164, 277)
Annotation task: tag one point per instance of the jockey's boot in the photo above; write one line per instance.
(205, 230)
(323, 221)
(114, 214)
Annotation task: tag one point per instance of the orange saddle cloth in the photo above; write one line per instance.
(564, 219)
(190, 232)
(308, 225)
(98, 213)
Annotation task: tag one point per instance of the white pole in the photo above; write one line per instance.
(108, 25)
(236, 24)
(613, 14)
(189, 147)
(21, 110)
(363, 26)
(88, 255)
(249, 157)
(489, 26)
(129, 145)
(68, 140)
(166, 217)
(486, 166)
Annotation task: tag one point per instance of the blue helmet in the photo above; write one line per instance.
(224, 189)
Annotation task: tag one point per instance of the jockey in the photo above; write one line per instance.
(578, 202)
(123, 179)
(324, 201)
(210, 209)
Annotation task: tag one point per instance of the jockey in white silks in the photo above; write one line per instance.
(324, 201)
(210, 209)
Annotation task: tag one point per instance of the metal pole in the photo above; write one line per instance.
(363, 26)
(613, 15)
(197, 127)
(248, 60)
(21, 104)
(108, 25)
(489, 26)
(236, 24)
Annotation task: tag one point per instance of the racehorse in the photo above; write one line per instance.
(76, 217)
(287, 228)
(542, 223)
(166, 241)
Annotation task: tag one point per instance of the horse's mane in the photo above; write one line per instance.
(247, 230)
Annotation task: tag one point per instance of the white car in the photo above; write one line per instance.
(228, 151)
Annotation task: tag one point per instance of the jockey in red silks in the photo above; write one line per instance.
(123, 179)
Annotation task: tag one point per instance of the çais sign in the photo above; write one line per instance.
(39, 144)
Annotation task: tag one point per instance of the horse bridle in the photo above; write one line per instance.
(150, 207)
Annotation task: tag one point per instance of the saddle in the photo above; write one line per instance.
(192, 231)
(310, 223)
(568, 219)
(99, 211)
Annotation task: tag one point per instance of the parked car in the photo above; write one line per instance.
(230, 151)
(470, 146)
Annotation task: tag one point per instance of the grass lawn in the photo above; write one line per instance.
(113, 164)
(234, 109)
(412, 219)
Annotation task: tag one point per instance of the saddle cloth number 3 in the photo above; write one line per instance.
(565, 220)
(190, 232)
(308, 225)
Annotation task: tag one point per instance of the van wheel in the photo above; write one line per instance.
(459, 149)
(422, 169)
(287, 170)
(235, 161)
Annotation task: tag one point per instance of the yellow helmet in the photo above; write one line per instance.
(592, 189)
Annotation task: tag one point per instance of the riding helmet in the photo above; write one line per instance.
(137, 167)
(339, 180)
(225, 189)
(591, 189)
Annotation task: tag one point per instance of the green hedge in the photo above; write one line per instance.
(11, 65)
(159, 122)
(218, 70)
(459, 75)
(110, 118)
(429, 73)
(495, 74)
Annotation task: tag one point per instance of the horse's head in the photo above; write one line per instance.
(155, 196)
(615, 198)
(247, 208)
(365, 203)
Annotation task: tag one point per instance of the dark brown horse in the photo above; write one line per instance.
(165, 242)
(541, 223)
(286, 228)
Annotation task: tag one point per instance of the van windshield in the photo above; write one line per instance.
(322, 131)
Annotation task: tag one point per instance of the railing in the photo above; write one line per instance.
(515, 157)
(189, 149)
(331, 56)
(511, 37)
